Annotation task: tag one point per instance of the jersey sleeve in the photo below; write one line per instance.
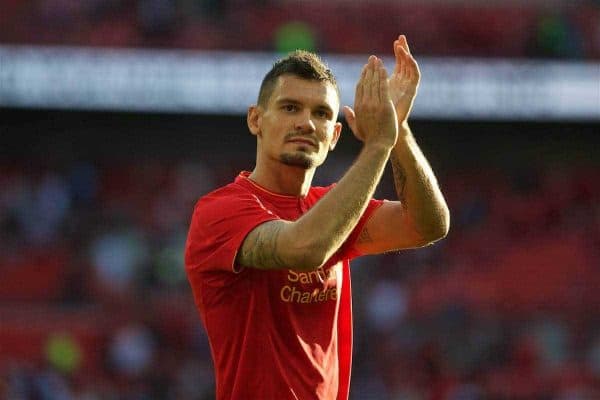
(219, 226)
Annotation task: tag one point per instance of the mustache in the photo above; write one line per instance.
(296, 135)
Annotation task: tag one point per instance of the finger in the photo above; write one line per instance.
(363, 72)
(411, 66)
(399, 67)
(404, 63)
(403, 43)
(359, 92)
(375, 92)
(383, 84)
(414, 68)
(368, 92)
(350, 118)
(397, 56)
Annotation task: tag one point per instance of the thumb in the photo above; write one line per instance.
(350, 119)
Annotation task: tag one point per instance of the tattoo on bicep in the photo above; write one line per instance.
(364, 236)
(399, 178)
(262, 248)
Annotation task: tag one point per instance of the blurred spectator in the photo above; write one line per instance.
(63, 353)
(132, 350)
(556, 37)
(117, 256)
(386, 306)
(293, 36)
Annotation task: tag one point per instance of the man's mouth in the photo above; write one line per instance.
(302, 141)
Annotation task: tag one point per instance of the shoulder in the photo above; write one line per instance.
(228, 201)
(229, 193)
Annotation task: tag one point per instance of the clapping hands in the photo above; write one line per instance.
(383, 102)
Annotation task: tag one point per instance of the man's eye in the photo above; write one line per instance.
(322, 114)
(290, 107)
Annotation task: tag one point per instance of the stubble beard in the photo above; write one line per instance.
(298, 159)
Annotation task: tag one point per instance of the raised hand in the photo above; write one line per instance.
(373, 119)
(404, 81)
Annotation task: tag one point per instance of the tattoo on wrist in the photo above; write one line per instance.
(399, 178)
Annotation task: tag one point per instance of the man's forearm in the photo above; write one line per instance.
(332, 219)
(417, 187)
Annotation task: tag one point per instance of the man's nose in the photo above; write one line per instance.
(304, 123)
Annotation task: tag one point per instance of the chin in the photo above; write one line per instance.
(299, 160)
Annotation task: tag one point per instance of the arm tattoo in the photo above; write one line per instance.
(399, 178)
(364, 236)
(260, 248)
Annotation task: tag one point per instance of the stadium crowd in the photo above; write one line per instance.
(546, 29)
(94, 302)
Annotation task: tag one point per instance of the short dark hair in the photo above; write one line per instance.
(301, 63)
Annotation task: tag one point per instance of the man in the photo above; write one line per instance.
(268, 255)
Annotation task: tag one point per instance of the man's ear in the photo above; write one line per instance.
(253, 119)
(337, 131)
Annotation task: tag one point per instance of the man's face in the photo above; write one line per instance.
(298, 125)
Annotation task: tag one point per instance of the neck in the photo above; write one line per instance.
(283, 179)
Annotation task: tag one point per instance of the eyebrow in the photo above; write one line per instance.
(287, 100)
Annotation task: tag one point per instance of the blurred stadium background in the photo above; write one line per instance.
(116, 115)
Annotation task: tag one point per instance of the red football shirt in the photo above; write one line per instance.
(278, 334)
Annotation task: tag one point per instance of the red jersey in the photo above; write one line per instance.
(274, 334)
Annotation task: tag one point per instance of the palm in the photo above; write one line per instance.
(404, 81)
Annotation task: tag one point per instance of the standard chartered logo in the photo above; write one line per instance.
(325, 280)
